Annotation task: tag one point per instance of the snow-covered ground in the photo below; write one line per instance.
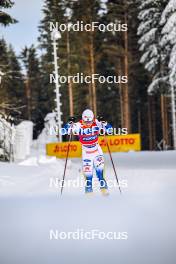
(31, 207)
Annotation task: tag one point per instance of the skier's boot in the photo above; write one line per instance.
(104, 191)
(88, 185)
(103, 183)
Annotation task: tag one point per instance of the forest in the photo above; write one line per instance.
(142, 47)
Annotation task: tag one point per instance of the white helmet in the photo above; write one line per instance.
(87, 115)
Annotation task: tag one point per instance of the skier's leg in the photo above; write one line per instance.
(99, 167)
(88, 173)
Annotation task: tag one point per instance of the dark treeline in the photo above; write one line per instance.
(116, 53)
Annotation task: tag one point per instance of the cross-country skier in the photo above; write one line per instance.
(88, 130)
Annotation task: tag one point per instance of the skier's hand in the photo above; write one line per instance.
(102, 120)
(72, 119)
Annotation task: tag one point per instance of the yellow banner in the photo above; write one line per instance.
(131, 142)
(59, 150)
(121, 143)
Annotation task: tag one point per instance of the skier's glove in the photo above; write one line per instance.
(102, 120)
(72, 119)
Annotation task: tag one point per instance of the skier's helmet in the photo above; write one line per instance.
(88, 116)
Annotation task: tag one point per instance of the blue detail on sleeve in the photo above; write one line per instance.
(67, 126)
(65, 129)
(108, 126)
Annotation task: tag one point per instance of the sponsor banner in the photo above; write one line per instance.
(121, 143)
(131, 142)
(60, 149)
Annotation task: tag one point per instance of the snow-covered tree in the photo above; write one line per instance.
(6, 137)
(11, 84)
(149, 30)
(168, 40)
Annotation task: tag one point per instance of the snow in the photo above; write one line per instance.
(150, 15)
(6, 135)
(29, 177)
(168, 19)
(171, 7)
(30, 208)
(146, 4)
(172, 66)
(156, 83)
(148, 37)
(144, 27)
(169, 31)
(156, 30)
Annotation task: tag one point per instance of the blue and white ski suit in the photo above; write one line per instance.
(92, 154)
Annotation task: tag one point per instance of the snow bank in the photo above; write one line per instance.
(146, 211)
(143, 172)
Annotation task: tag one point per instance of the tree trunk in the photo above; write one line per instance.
(127, 119)
(151, 121)
(92, 70)
(70, 85)
(164, 116)
(119, 72)
(28, 98)
(139, 122)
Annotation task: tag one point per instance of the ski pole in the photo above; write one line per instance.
(115, 172)
(63, 179)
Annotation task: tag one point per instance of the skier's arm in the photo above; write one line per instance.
(71, 126)
(108, 129)
(102, 124)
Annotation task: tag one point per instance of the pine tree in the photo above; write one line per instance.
(168, 43)
(154, 61)
(4, 68)
(87, 43)
(12, 86)
(138, 79)
(54, 11)
(110, 63)
(149, 31)
(6, 19)
(16, 84)
(122, 12)
(77, 52)
(168, 40)
(35, 101)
